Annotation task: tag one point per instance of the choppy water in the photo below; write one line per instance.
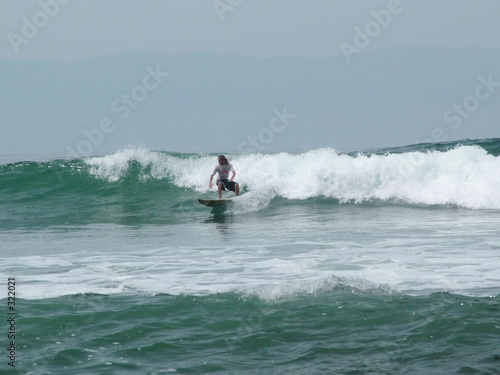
(383, 262)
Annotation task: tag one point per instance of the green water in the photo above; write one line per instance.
(382, 262)
(339, 331)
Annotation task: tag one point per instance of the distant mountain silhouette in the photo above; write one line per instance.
(212, 102)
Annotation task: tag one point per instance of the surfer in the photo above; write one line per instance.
(223, 182)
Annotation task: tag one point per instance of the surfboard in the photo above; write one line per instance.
(215, 202)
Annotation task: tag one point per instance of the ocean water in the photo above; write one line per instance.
(381, 262)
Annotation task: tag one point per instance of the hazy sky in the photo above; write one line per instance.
(40, 113)
(80, 29)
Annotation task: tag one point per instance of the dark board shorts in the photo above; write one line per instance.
(226, 184)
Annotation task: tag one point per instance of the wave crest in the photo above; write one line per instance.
(465, 176)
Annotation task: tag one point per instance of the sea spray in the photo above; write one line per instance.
(328, 263)
(465, 176)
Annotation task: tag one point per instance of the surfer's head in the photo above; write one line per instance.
(222, 160)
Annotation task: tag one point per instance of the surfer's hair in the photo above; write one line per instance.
(223, 158)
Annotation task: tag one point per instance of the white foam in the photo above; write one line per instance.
(465, 176)
(113, 167)
(255, 259)
(393, 248)
(323, 285)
